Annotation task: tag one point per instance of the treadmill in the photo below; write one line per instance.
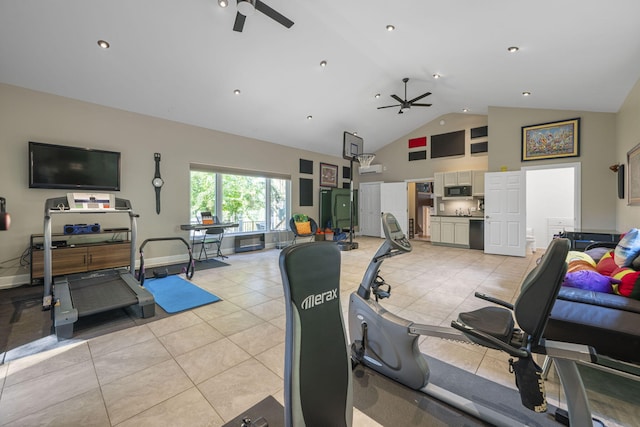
(83, 294)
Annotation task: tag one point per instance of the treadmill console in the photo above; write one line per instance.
(394, 234)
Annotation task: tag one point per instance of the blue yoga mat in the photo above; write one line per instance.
(175, 294)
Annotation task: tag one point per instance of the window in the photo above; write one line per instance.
(257, 202)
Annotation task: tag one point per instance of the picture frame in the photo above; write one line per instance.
(633, 166)
(328, 175)
(551, 140)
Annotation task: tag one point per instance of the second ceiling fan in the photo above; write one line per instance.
(248, 7)
(404, 103)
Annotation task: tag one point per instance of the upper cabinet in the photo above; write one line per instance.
(478, 183)
(457, 178)
(438, 184)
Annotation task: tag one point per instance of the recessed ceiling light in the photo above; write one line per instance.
(390, 28)
(323, 63)
(309, 117)
(436, 76)
(237, 91)
(223, 3)
(103, 44)
(513, 49)
(377, 95)
(526, 93)
(465, 110)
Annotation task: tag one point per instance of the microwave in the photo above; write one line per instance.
(458, 191)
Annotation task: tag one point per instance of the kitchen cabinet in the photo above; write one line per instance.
(478, 183)
(435, 229)
(438, 184)
(450, 230)
(457, 178)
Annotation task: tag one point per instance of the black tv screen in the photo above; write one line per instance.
(73, 168)
(447, 144)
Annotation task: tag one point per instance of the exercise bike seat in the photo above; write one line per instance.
(317, 383)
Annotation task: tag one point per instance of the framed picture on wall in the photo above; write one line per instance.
(633, 162)
(551, 140)
(328, 175)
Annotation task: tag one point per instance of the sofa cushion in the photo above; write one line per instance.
(606, 265)
(627, 248)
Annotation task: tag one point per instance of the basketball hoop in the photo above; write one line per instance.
(365, 159)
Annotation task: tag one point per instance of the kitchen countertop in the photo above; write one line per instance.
(461, 216)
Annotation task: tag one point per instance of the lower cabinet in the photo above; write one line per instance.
(450, 230)
(435, 224)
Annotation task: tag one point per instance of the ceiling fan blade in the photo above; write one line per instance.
(271, 13)
(389, 106)
(397, 98)
(421, 105)
(417, 98)
(239, 24)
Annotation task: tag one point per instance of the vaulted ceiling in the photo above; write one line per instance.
(182, 61)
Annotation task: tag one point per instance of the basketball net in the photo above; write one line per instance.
(365, 159)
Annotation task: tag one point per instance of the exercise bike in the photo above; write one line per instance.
(388, 343)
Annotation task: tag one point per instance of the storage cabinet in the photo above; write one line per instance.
(450, 230)
(435, 229)
(438, 184)
(478, 183)
(80, 257)
(457, 178)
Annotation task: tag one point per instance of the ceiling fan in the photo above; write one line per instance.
(248, 7)
(407, 104)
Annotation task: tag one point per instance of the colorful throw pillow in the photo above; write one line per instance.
(628, 248)
(596, 254)
(630, 285)
(579, 261)
(619, 274)
(303, 227)
(589, 280)
(606, 265)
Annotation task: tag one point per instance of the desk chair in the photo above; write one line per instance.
(212, 235)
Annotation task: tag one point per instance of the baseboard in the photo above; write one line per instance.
(7, 282)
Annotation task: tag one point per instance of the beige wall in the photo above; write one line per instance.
(34, 116)
(395, 158)
(628, 136)
(597, 153)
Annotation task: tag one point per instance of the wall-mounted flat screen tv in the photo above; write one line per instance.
(447, 144)
(73, 168)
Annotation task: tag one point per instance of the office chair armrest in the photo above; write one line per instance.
(491, 341)
(494, 300)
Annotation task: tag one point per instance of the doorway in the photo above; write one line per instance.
(421, 206)
(552, 200)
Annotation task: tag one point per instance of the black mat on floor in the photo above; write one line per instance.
(179, 268)
(22, 320)
(269, 409)
(390, 403)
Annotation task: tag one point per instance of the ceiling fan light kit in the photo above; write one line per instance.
(407, 104)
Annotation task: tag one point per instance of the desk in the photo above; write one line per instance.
(197, 229)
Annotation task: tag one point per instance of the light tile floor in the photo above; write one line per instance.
(205, 366)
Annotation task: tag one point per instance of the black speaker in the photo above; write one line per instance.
(621, 182)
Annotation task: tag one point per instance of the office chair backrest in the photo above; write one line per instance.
(317, 384)
(540, 289)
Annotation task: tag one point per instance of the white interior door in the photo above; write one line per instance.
(505, 213)
(393, 198)
(369, 220)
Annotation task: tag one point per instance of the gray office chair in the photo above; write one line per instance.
(317, 373)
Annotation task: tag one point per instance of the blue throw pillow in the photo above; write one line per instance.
(628, 248)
